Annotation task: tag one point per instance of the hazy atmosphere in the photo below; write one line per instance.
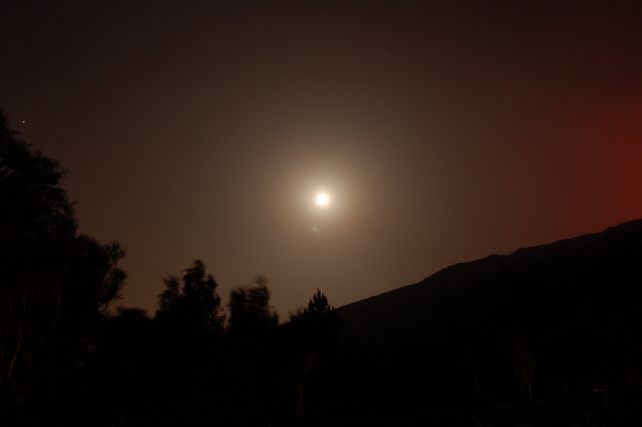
(440, 131)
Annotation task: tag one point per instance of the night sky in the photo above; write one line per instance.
(442, 132)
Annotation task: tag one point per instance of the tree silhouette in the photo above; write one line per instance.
(253, 372)
(318, 304)
(55, 283)
(37, 229)
(193, 310)
(317, 324)
(319, 358)
(94, 283)
(250, 311)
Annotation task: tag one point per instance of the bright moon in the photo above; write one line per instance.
(322, 199)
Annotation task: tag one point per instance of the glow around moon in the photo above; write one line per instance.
(322, 199)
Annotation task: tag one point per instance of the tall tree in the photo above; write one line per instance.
(55, 283)
(251, 325)
(189, 329)
(319, 371)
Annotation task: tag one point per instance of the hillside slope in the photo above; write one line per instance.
(565, 314)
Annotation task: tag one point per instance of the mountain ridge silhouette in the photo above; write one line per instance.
(571, 307)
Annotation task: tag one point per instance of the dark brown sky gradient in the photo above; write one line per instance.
(443, 132)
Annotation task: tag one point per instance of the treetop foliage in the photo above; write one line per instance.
(318, 304)
(31, 196)
(195, 303)
(250, 310)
